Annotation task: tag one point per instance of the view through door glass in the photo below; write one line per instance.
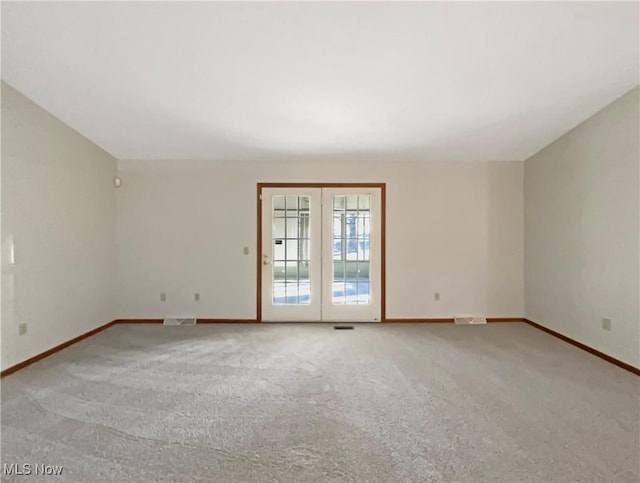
(351, 242)
(291, 240)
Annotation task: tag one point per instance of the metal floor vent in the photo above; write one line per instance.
(343, 327)
(470, 320)
(179, 321)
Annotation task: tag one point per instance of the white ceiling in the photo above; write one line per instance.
(340, 81)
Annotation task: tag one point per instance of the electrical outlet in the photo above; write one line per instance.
(606, 324)
(22, 328)
(196, 297)
(436, 296)
(163, 297)
(245, 250)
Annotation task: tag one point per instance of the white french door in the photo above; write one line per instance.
(351, 254)
(291, 254)
(321, 254)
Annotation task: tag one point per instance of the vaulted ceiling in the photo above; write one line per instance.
(337, 81)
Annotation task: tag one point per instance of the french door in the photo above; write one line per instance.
(321, 254)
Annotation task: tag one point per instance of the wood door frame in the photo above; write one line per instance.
(383, 231)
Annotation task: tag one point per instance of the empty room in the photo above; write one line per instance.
(320, 241)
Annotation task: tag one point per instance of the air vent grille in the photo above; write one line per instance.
(180, 321)
(470, 320)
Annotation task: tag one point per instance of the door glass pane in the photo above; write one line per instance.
(291, 250)
(351, 237)
(304, 292)
(278, 205)
(278, 227)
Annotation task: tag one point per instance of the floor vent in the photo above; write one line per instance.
(343, 327)
(470, 320)
(179, 321)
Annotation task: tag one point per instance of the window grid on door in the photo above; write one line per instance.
(351, 242)
(291, 240)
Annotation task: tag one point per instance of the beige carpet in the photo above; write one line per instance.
(298, 403)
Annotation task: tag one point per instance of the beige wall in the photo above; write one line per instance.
(58, 227)
(582, 232)
(453, 228)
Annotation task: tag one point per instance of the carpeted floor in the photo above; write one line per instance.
(298, 403)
